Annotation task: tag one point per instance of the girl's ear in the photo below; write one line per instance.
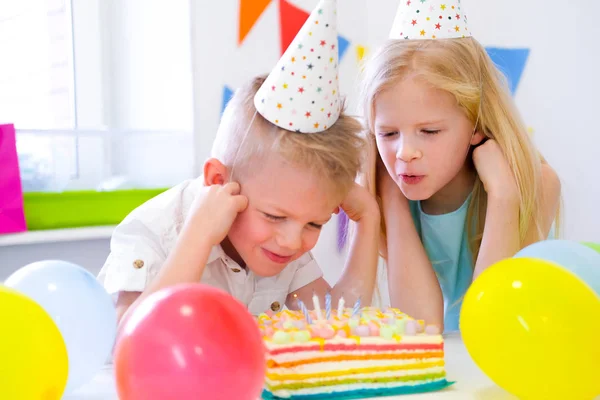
(215, 173)
(478, 138)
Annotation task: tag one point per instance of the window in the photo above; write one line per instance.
(100, 92)
(36, 75)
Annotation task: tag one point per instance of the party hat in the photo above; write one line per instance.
(430, 19)
(302, 92)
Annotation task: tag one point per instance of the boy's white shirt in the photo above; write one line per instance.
(141, 243)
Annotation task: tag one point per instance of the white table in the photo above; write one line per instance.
(471, 382)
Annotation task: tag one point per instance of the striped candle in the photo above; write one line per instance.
(328, 306)
(340, 307)
(317, 307)
(304, 311)
(356, 309)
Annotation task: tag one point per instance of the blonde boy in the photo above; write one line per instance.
(247, 225)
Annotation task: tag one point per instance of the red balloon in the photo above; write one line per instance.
(190, 341)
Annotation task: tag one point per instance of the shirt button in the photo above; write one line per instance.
(137, 264)
(236, 270)
(275, 306)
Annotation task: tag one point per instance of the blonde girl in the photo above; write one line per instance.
(459, 181)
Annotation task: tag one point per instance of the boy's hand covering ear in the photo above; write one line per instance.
(214, 210)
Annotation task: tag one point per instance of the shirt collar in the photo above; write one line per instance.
(216, 253)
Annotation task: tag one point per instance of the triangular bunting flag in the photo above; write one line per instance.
(227, 95)
(360, 53)
(511, 62)
(250, 12)
(343, 44)
(291, 19)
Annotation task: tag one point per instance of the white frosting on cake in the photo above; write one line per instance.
(366, 375)
(373, 340)
(310, 355)
(331, 366)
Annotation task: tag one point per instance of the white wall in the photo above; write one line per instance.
(558, 95)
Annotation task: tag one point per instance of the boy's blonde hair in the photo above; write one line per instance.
(463, 68)
(335, 155)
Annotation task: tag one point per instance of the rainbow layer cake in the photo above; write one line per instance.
(351, 355)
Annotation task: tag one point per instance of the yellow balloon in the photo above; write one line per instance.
(533, 328)
(33, 355)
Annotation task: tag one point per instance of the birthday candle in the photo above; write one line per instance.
(328, 306)
(356, 307)
(304, 311)
(317, 307)
(340, 307)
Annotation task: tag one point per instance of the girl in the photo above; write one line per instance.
(459, 182)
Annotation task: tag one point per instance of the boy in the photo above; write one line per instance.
(248, 224)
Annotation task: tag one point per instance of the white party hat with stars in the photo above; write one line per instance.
(302, 92)
(430, 19)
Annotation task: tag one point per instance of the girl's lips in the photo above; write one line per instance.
(411, 179)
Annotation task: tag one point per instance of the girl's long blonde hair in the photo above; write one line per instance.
(463, 68)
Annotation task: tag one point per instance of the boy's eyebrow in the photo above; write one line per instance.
(431, 122)
(284, 212)
(280, 210)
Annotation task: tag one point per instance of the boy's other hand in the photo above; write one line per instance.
(360, 203)
(214, 210)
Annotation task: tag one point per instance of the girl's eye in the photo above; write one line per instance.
(316, 226)
(274, 217)
(430, 131)
(387, 134)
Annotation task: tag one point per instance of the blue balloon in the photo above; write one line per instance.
(78, 304)
(576, 257)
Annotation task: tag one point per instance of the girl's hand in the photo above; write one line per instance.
(388, 189)
(495, 173)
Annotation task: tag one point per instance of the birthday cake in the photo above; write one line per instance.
(350, 355)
